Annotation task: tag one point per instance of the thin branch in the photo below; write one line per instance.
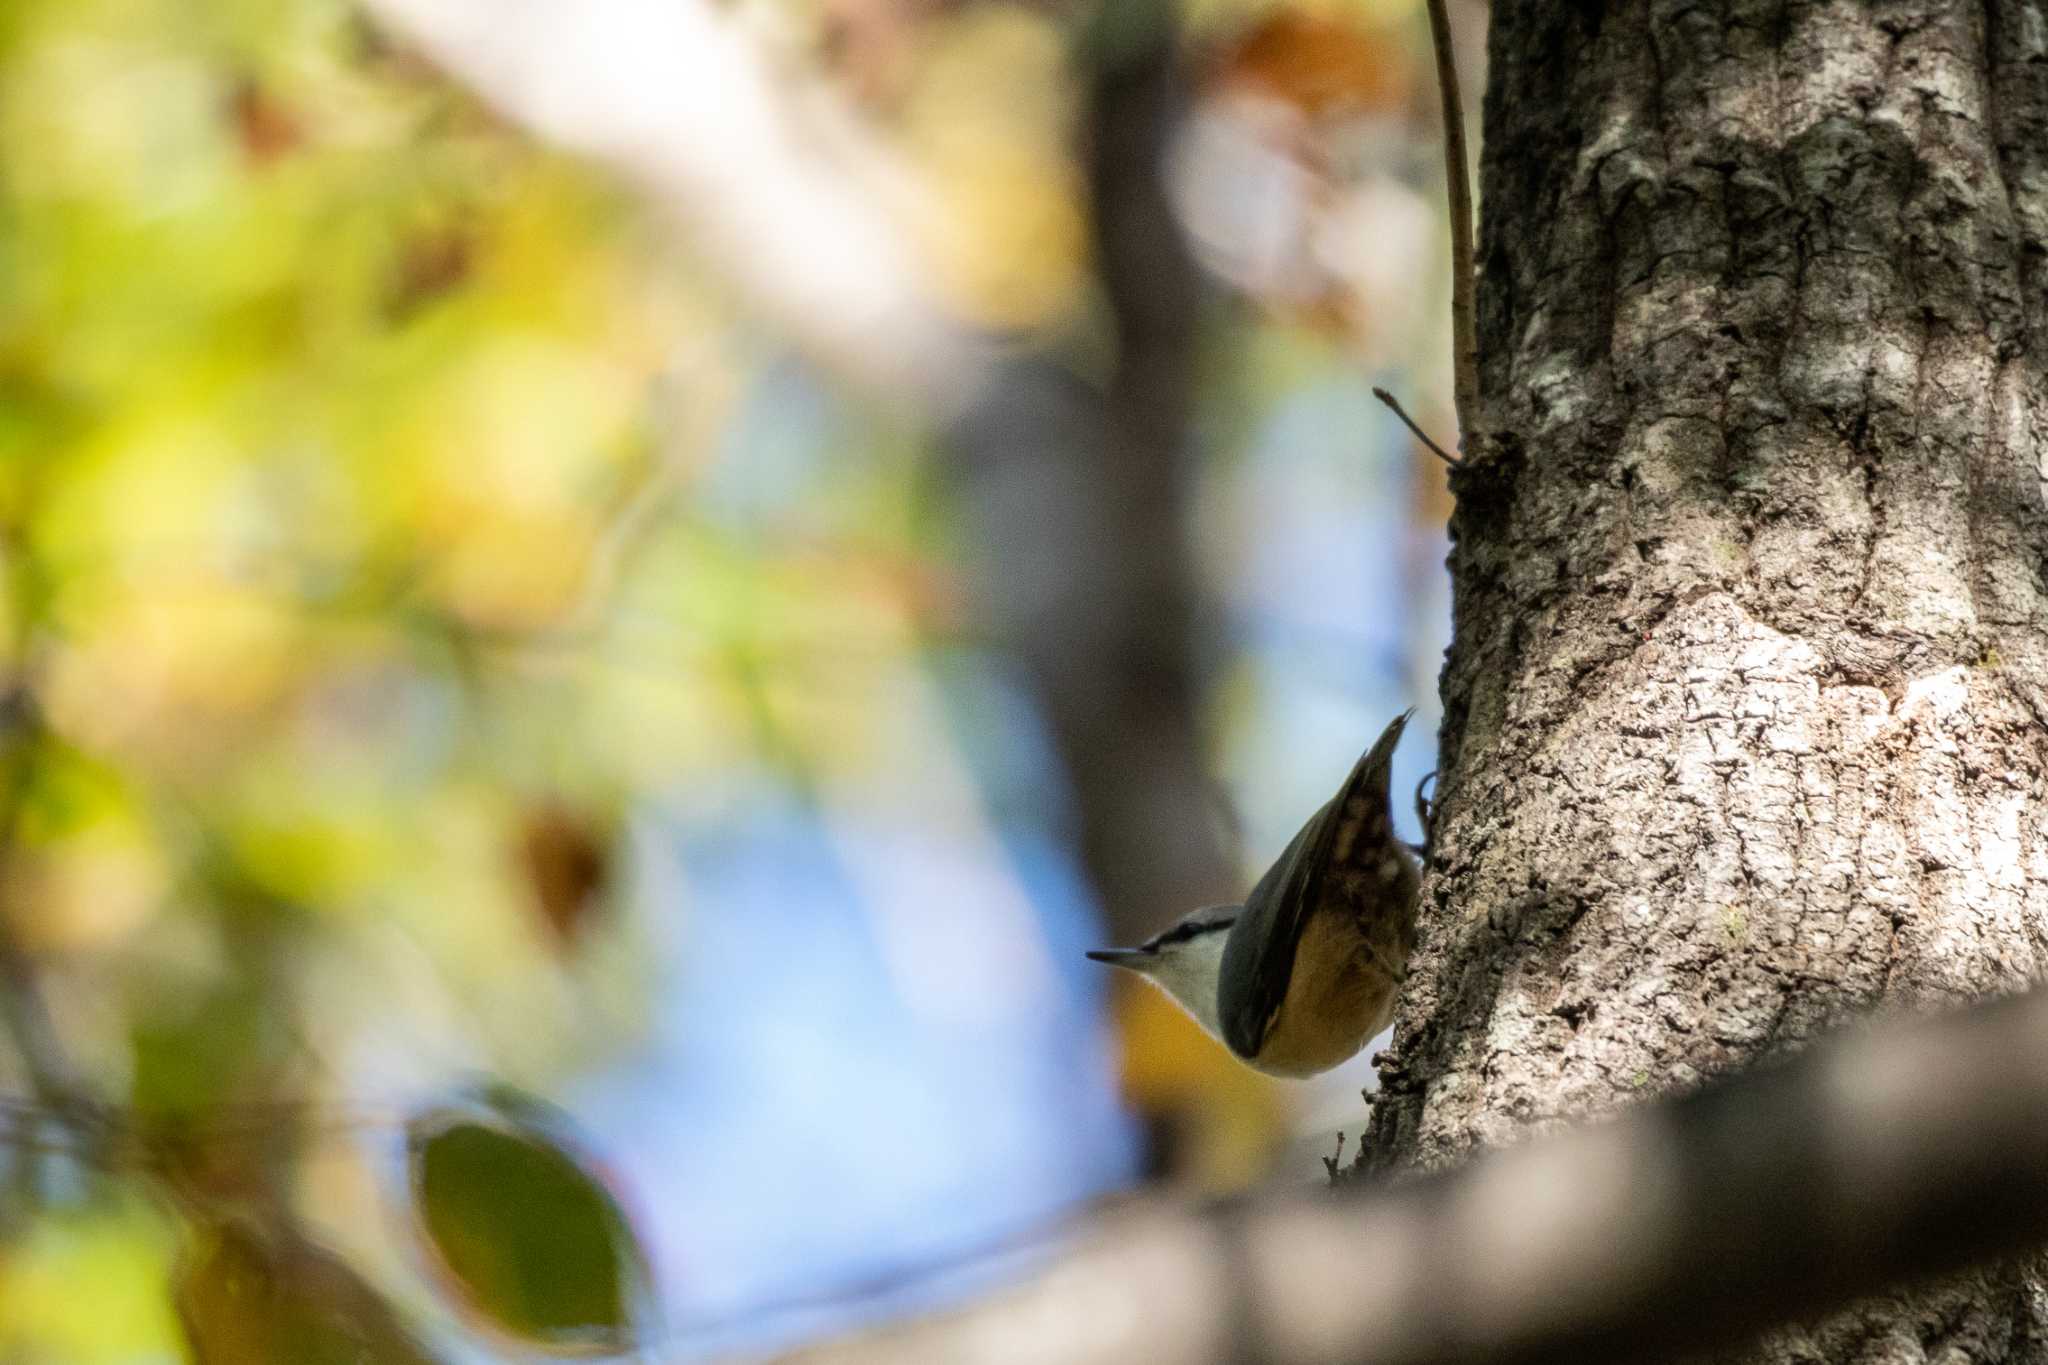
(1464, 267)
(24, 1004)
(1409, 422)
(25, 1008)
(1782, 1193)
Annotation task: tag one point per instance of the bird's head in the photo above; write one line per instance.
(1185, 961)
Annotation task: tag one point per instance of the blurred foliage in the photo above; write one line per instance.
(332, 421)
(320, 398)
(124, 1249)
(363, 567)
(1215, 1122)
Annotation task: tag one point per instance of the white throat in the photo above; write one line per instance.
(1188, 972)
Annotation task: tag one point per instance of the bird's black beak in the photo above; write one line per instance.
(1117, 957)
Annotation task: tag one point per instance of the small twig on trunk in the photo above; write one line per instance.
(1409, 422)
(1464, 318)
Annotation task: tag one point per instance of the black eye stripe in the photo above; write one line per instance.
(1181, 933)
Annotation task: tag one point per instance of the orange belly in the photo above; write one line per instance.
(1339, 996)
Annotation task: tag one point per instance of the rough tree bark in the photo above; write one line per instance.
(1745, 711)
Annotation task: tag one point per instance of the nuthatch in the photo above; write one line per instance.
(1300, 976)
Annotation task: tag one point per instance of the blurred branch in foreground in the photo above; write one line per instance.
(777, 183)
(1898, 1153)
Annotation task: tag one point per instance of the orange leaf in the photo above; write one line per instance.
(1319, 64)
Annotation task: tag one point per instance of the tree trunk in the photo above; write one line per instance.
(1744, 714)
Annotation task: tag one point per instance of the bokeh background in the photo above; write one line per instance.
(451, 625)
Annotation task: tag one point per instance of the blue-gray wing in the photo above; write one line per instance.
(1258, 957)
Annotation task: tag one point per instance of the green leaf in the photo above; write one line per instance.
(520, 1231)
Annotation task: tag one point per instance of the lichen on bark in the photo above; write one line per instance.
(1745, 707)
